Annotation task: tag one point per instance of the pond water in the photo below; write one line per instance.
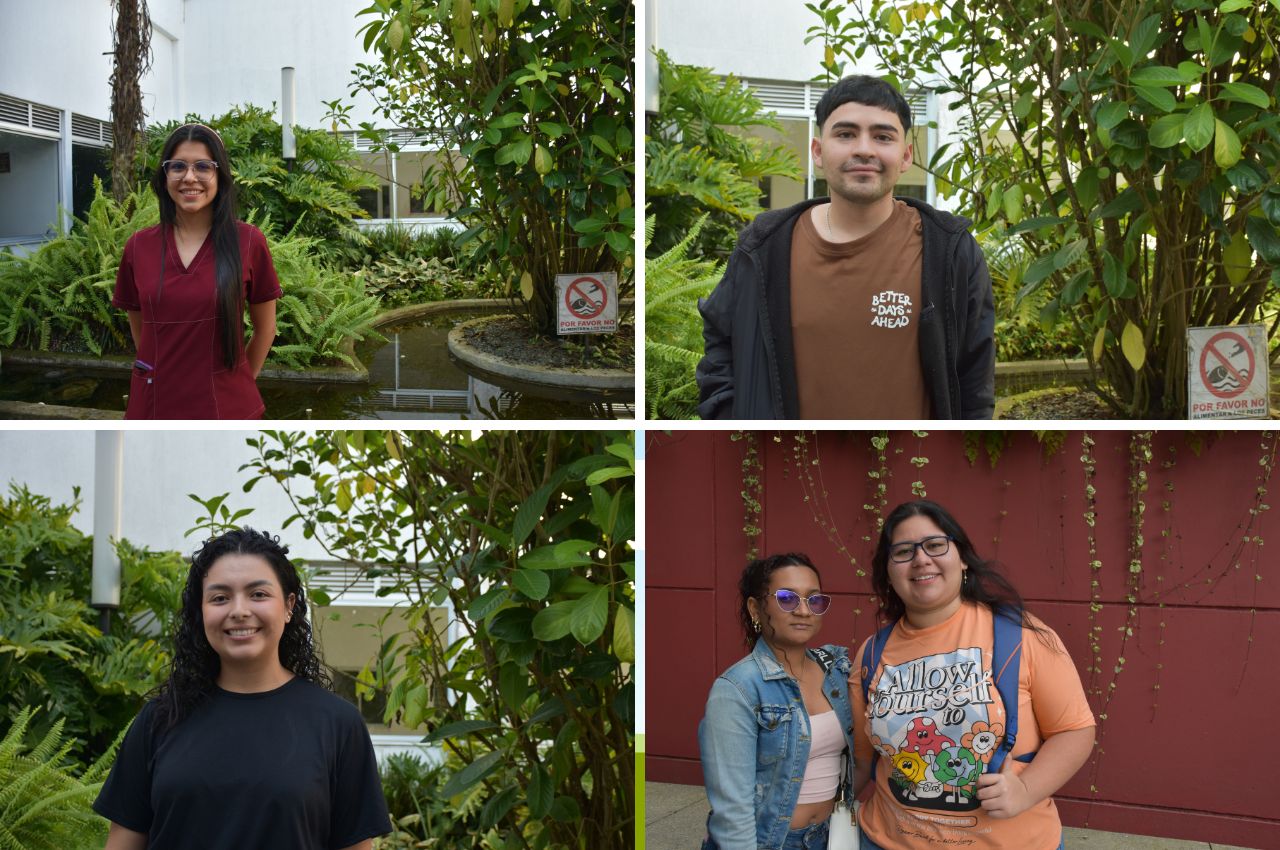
(411, 377)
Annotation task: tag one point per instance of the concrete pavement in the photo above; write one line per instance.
(675, 819)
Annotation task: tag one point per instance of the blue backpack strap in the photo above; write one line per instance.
(870, 661)
(1006, 659)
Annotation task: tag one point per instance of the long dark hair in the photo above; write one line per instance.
(983, 584)
(226, 236)
(755, 581)
(195, 665)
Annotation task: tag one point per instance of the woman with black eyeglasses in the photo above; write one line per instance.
(185, 284)
(970, 713)
(777, 725)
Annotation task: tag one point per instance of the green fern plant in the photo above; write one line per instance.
(673, 327)
(43, 806)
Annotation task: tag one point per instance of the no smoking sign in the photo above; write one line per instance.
(1227, 374)
(587, 303)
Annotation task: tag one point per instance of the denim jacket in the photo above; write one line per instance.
(754, 741)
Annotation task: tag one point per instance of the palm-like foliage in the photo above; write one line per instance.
(42, 804)
(52, 655)
(673, 327)
(698, 158)
(59, 297)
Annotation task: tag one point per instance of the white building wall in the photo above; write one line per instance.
(762, 39)
(160, 469)
(208, 55)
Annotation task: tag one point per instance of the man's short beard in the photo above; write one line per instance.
(854, 197)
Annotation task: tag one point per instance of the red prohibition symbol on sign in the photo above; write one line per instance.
(586, 298)
(1226, 364)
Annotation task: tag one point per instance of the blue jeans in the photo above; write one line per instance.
(812, 837)
(865, 843)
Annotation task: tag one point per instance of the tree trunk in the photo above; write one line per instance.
(132, 52)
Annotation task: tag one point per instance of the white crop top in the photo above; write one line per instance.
(822, 773)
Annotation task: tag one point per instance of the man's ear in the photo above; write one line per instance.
(907, 158)
(815, 150)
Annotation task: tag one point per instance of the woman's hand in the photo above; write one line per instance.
(1008, 793)
(1004, 794)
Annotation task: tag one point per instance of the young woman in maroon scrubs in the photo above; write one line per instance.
(185, 283)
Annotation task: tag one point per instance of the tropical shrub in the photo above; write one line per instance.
(1133, 146)
(673, 342)
(420, 815)
(59, 297)
(699, 161)
(42, 805)
(53, 656)
(394, 240)
(397, 281)
(527, 537)
(316, 199)
(1027, 327)
(538, 99)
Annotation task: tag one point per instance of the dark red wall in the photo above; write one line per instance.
(1189, 759)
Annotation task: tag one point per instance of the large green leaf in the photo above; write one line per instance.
(624, 638)
(1112, 113)
(532, 583)
(1159, 75)
(1237, 259)
(472, 773)
(1226, 145)
(1161, 99)
(589, 615)
(1166, 131)
(1198, 127)
(559, 556)
(542, 792)
(553, 622)
(1263, 238)
(1245, 93)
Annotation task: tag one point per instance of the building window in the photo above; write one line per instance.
(374, 201)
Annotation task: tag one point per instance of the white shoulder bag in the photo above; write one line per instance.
(842, 828)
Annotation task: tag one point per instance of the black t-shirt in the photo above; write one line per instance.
(292, 767)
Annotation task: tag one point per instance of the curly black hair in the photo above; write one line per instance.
(194, 669)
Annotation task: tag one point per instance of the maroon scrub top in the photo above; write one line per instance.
(181, 373)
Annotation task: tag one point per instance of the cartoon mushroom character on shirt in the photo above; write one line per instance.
(922, 737)
(958, 768)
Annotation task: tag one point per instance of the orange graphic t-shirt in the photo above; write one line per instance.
(935, 718)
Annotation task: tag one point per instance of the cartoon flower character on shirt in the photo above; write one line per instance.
(982, 739)
(959, 769)
(922, 737)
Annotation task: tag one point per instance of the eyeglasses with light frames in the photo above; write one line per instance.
(176, 169)
(789, 600)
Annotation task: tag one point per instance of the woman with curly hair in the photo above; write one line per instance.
(244, 745)
(775, 738)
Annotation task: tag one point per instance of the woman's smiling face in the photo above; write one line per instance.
(926, 584)
(245, 609)
(190, 194)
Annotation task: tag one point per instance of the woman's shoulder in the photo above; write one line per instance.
(325, 701)
(146, 236)
(250, 234)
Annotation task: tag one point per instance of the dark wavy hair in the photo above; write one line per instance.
(869, 91)
(984, 583)
(226, 236)
(195, 665)
(755, 582)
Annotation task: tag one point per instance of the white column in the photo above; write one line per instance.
(108, 486)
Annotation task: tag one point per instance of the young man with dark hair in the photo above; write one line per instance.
(857, 306)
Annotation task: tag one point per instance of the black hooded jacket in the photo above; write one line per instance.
(749, 370)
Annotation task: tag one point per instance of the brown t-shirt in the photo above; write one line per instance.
(855, 315)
